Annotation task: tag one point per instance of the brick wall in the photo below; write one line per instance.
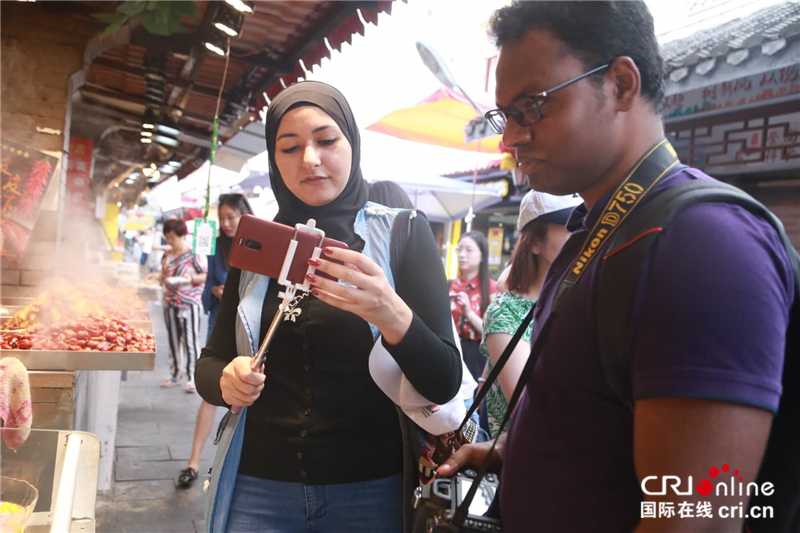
(42, 47)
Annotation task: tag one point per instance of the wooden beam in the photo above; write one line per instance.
(177, 44)
(198, 119)
(119, 66)
(264, 61)
(135, 99)
(116, 95)
(107, 111)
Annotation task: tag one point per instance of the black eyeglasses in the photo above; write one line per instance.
(528, 110)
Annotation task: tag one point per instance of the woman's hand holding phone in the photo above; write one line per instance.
(240, 384)
(371, 297)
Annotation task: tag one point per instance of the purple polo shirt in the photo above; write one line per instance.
(711, 314)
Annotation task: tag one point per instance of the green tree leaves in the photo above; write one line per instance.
(157, 17)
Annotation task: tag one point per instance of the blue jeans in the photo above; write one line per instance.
(477, 417)
(269, 506)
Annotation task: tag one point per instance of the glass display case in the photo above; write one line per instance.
(49, 482)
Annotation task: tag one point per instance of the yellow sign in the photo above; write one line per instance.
(495, 248)
(451, 267)
(138, 222)
(500, 186)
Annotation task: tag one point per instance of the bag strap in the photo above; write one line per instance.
(626, 254)
(658, 162)
(617, 286)
(495, 373)
(462, 511)
(398, 241)
(399, 238)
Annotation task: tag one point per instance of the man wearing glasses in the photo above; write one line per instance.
(579, 86)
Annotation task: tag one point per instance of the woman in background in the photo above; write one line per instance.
(183, 274)
(470, 295)
(232, 207)
(542, 226)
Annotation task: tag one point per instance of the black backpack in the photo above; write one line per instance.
(616, 287)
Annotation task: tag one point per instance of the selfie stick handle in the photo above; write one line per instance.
(288, 294)
(261, 354)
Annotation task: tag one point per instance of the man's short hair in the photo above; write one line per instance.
(595, 32)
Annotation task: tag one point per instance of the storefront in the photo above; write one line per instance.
(90, 122)
(732, 107)
(498, 221)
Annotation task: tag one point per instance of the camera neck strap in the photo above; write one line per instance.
(654, 165)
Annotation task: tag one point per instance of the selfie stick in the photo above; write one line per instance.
(288, 294)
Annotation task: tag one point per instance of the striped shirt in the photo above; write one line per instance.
(186, 264)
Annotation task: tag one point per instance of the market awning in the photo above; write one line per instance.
(443, 199)
(177, 79)
(439, 120)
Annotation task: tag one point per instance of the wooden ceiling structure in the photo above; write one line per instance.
(175, 80)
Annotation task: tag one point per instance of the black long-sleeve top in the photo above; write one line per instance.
(320, 418)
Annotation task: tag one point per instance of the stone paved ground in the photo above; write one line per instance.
(154, 438)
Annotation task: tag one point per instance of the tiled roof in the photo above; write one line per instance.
(770, 29)
(491, 166)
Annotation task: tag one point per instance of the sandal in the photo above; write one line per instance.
(187, 477)
(190, 387)
(171, 382)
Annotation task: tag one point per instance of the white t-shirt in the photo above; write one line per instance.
(147, 244)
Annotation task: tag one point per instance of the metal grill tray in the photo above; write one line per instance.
(69, 360)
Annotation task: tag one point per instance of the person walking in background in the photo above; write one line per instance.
(470, 295)
(147, 242)
(542, 226)
(136, 247)
(183, 274)
(232, 207)
(160, 246)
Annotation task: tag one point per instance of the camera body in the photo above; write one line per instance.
(435, 504)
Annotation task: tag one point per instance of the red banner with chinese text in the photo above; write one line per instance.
(25, 174)
(79, 174)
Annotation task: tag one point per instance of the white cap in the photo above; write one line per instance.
(538, 204)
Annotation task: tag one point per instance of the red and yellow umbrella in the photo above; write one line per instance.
(439, 120)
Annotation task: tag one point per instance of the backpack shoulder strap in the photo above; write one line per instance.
(401, 232)
(626, 253)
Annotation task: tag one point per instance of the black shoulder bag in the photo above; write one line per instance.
(616, 289)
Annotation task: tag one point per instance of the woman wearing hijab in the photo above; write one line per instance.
(318, 444)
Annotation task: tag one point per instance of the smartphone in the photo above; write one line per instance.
(260, 246)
